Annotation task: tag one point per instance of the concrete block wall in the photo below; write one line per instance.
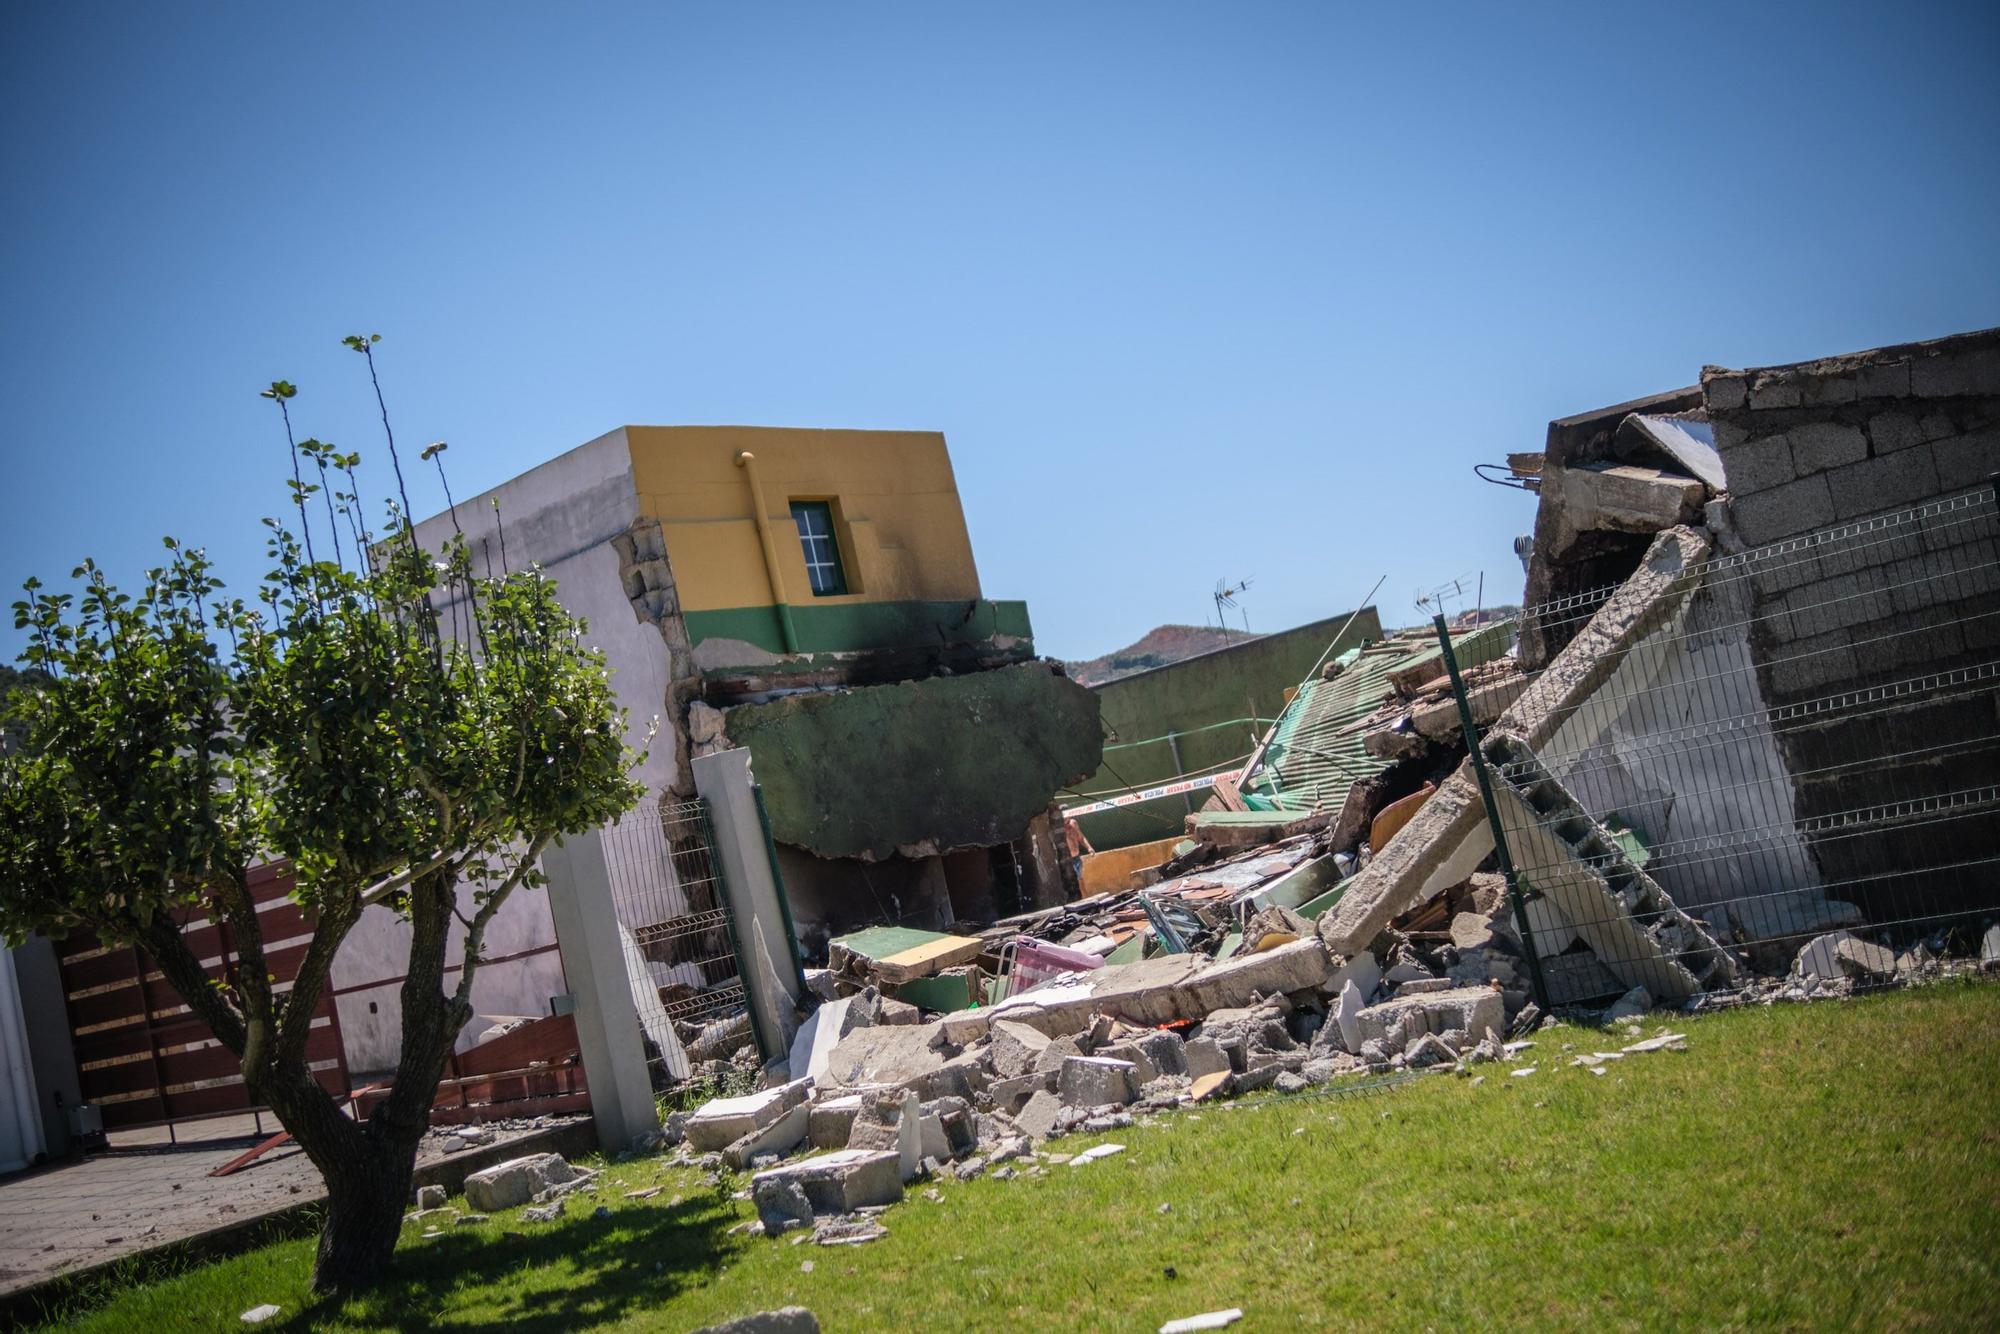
(1822, 458)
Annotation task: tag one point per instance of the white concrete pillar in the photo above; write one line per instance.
(771, 980)
(607, 1025)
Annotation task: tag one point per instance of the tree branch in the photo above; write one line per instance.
(186, 975)
(295, 1022)
(475, 934)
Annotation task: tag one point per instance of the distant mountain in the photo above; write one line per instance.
(1156, 648)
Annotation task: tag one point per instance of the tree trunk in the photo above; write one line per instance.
(366, 1194)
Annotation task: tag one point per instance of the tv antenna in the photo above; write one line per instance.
(1226, 594)
(1438, 601)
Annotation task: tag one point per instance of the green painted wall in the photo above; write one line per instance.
(951, 761)
(1190, 698)
(853, 627)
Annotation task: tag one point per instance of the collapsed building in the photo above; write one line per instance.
(1739, 745)
(811, 597)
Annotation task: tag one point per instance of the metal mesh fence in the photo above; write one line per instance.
(1774, 768)
(674, 925)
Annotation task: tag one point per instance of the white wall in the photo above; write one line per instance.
(561, 516)
(1679, 743)
(20, 1115)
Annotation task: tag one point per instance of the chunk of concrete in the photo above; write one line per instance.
(1051, 1057)
(781, 1203)
(887, 1055)
(780, 1137)
(1153, 1054)
(1096, 1081)
(1865, 961)
(1037, 1117)
(839, 1182)
(1347, 1017)
(1016, 1047)
(1204, 1056)
(430, 1197)
(1629, 1006)
(516, 1182)
(1361, 970)
(1009, 1094)
(1476, 1010)
(891, 1120)
(784, 1320)
(720, 1122)
(1817, 957)
(831, 1120)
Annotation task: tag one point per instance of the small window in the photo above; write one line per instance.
(815, 521)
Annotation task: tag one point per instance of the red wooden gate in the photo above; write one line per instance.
(143, 1057)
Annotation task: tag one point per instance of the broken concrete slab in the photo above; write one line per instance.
(780, 1137)
(1474, 1011)
(890, 1120)
(784, 1320)
(1446, 840)
(1016, 1047)
(1096, 1081)
(1204, 1056)
(1441, 721)
(839, 1182)
(516, 1182)
(1566, 857)
(831, 1120)
(1156, 991)
(720, 1122)
(1865, 961)
(1037, 1117)
(1628, 498)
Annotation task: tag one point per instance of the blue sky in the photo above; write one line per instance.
(1230, 291)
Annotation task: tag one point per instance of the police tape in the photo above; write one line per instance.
(1173, 789)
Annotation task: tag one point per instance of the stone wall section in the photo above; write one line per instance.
(648, 577)
(1821, 457)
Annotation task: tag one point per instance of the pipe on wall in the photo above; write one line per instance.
(748, 463)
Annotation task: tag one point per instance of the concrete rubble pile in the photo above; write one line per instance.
(982, 1091)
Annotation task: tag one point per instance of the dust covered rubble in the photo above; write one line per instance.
(983, 1092)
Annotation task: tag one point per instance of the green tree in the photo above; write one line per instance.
(409, 733)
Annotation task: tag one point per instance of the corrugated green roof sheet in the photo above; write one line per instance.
(1317, 754)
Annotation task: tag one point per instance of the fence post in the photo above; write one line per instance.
(772, 983)
(607, 1024)
(1472, 745)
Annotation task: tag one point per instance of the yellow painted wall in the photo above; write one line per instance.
(904, 534)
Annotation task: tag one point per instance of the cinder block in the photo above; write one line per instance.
(1759, 465)
(1962, 374)
(1724, 393)
(1966, 461)
(1773, 391)
(1802, 668)
(1817, 446)
(1891, 431)
(1885, 380)
(1895, 481)
(1820, 390)
(1838, 604)
(1909, 649)
(1783, 511)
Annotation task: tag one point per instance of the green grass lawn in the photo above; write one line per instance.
(1832, 1164)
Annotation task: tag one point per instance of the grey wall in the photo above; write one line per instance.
(1826, 459)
